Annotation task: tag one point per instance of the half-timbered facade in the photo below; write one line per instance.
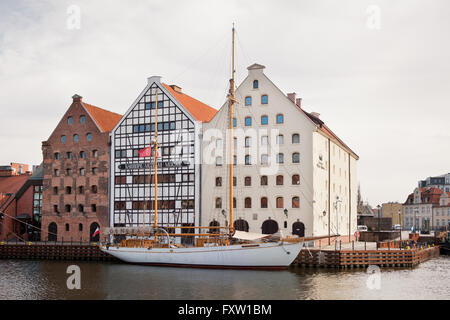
(179, 121)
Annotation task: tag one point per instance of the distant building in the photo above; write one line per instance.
(427, 209)
(442, 182)
(20, 203)
(76, 173)
(393, 210)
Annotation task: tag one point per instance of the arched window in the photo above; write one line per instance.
(82, 119)
(248, 121)
(94, 189)
(248, 203)
(63, 139)
(68, 172)
(80, 208)
(248, 181)
(82, 154)
(218, 203)
(80, 189)
(269, 227)
(89, 137)
(264, 99)
(263, 202)
(264, 180)
(295, 138)
(69, 120)
(298, 228)
(295, 202)
(248, 141)
(296, 157)
(280, 180)
(264, 120)
(248, 101)
(248, 160)
(280, 158)
(280, 118)
(67, 227)
(295, 179)
(255, 84)
(56, 156)
(75, 138)
(68, 190)
(218, 181)
(80, 227)
(280, 139)
(82, 171)
(214, 223)
(280, 202)
(68, 208)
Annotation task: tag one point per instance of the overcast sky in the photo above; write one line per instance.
(378, 72)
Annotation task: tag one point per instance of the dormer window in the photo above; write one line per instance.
(255, 84)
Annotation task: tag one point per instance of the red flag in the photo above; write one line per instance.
(97, 231)
(146, 152)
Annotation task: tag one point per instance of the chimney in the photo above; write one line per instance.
(77, 98)
(291, 96)
(298, 102)
(175, 88)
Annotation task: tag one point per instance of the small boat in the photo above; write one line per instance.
(218, 247)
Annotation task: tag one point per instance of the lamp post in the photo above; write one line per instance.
(337, 220)
(379, 219)
(400, 222)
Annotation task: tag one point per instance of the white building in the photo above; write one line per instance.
(132, 191)
(292, 172)
(442, 182)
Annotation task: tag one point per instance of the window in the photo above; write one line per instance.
(247, 181)
(264, 120)
(82, 154)
(248, 121)
(56, 156)
(67, 227)
(68, 207)
(80, 227)
(280, 158)
(264, 159)
(264, 99)
(94, 189)
(264, 180)
(234, 160)
(218, 181)
(121, 154)
(56, 172)
(69, 155)
(68, 190)
(218, 203)
(255, 84)
(263, 202)
(279, 180)
(296, 157)
(82, 171)
(55, 208)
(218, 161)
(93, 207)
(295, 138)
(248, 203)
(248, 160)
(80, 208)
(69, 120)
(68, 172)
(295, 202)
(295, 179)
(95, 153)
(63, 139)
(280, 202)
(264, 140)
(248, 141)
(94, 171)
(248, 101)
(55, 190)
(234, 203)
(234, 181)
(120, 205)
(89, 137)
(80, 189)
(75, 138)
(280, 139)
(280, 118)
(82, 119)
(234, 122)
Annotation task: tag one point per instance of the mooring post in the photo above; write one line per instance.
(353, 245)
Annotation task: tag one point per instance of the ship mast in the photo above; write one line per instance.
(231, 140)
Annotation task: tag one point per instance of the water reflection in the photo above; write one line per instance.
(47, 280)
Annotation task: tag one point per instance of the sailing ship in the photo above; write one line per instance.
(213, 246)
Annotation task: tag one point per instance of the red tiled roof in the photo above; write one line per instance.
(200, 111)
(428, 195)
(106, 120)
(12, 184)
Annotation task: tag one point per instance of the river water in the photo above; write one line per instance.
(48, 280)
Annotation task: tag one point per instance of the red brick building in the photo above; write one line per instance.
(76, 172)
(20, 203)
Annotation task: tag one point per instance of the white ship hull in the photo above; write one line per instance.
(270, 255)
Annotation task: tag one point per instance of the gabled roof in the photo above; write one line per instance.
(200, 111)
(427, 195)
(106, 120)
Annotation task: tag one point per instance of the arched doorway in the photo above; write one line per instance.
(298, 228)
(93, 235)
(214, 223)
(241, 225)
(269, 226)
(52, 232)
